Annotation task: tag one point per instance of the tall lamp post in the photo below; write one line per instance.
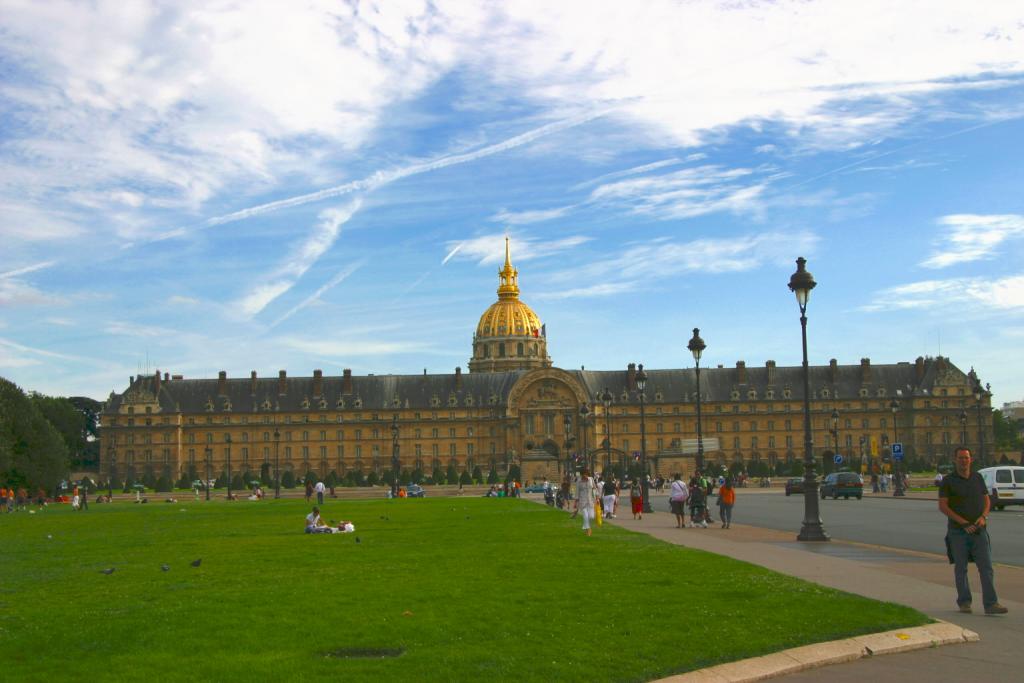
(835, 433)
(606, 401)
(277, 463)
(584, 414)
(112, 459)
(897, 487)
(395, 462)
(567, 425)
(801, 283)
(641, 384)
(979, 394)
(963, 428)
(697, 347)
(227, 440)
(209, 452)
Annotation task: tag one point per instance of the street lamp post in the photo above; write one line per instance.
(584, 414)
(963, 428)
(227, 440)
(801, 283)
(897, 487)
(979, 394)
(641, 384)
(606, 400)
(835, 434)
(112, 468)
(209, 452)
(395, 462)
(277, 463)
(696, 347)
(567, 424)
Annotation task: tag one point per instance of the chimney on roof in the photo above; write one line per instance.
(919, 368)
(770, 366)
(458, 378)
(156, 382)
(318, 383)
(346, 381)
(177, 377)
(131, 380)
(167, 377)
(252, 382)
(833, 371)
(741, 372)
(940, 363)
(631, 377)
(865, 370)
(282, 382)
(222, 383)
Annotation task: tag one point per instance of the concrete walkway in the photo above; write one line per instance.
(919, 580)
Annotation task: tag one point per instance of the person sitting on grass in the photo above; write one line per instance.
(315, 525)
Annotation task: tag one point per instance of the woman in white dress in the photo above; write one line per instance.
(585, 499)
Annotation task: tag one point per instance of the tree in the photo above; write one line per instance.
(465, 479)
(332, 479)
(478, 475)
(372, 479)
(33, 453)
(288, 480)
(452, 475)
(163, 484)
(1007, 433)
(266, 475)
(417, 476)
(513, 473)
(438, 476)
(492, 476)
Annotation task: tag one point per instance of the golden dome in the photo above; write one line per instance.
(508, 316)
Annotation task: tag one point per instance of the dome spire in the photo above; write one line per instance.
(508, 277)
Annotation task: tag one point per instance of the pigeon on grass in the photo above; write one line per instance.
(196, 563)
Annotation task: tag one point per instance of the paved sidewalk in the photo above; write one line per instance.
(920, 580)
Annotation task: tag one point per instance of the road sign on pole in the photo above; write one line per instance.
(837, 459)
(897, 451)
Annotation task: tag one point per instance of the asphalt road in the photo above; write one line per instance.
(910, 524)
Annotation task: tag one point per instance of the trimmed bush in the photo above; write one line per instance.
(465, 479)
(288, 479)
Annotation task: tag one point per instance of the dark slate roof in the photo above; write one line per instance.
(378, 392)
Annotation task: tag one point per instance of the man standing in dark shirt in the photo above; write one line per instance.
(964, 499)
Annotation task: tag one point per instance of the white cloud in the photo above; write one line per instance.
(284, 277)
(14, 292)
(604, 289)
(971, 237)
(347, 349)
(1004, 294)
(178, 300)
(490, 249)
(526, 217)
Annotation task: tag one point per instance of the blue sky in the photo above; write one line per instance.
(264, 186)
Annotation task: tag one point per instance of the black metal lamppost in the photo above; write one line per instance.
(696, 347)
(395, 462)
(567, 424)
(835, 433)
(963, 428)
(209, 452)
(801, 283)
(641, 384)
(227, 440)
(277, 463)
(584, 415)
(606, 401)
(897, 487)
(112, 468)
(979, 394)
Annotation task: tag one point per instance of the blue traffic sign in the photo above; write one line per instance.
(837, 459)
(897, 451)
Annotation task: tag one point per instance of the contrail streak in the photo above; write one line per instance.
(341, 275)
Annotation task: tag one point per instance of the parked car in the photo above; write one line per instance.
(535, 488)
(415, 491)
(843, 484)
(1005, 484)
(794, 485)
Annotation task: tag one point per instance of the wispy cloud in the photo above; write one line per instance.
(526, 217)
(972, 237)
(300, 260)
(1003, 294)
(487, 249)
(347, 349)
(24, 270)
(315, 296)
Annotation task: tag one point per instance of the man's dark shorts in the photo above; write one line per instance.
(678, 507)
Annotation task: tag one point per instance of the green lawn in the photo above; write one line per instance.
(466, 589)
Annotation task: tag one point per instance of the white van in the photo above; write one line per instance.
(1005, 484)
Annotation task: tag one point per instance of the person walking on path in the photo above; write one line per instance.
(677, 495)
(320, 489)
(636, 499)
(608, 493)
(726, 499)
(309, 489)
(585, 499)
(963, 498)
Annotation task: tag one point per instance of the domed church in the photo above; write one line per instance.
(514, 410)
(509, 335)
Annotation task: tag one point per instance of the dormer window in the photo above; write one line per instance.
(752, 394)
(305, 404)
(340, 404)
(469, 401)
(435, 402)
(209, 405)
(357, 403)
(787, 393)
(735, 395)
(323, 404)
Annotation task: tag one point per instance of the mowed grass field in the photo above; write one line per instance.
(449, 589)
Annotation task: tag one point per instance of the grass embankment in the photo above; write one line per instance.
(465, 589)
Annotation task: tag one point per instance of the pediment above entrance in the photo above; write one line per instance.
(546, 388)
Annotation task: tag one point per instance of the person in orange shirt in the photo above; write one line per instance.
(726, 499)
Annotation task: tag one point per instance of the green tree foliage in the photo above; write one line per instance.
(1006, 432)
(417, 476)
(492, 476)
(163, 484)
(465, 479)
(288, 480)
(372, 479)
(32, 452)
(266, 474)
(478, 475)
(451, 475)
(438, 476)
(332, 479)
(513, 473)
